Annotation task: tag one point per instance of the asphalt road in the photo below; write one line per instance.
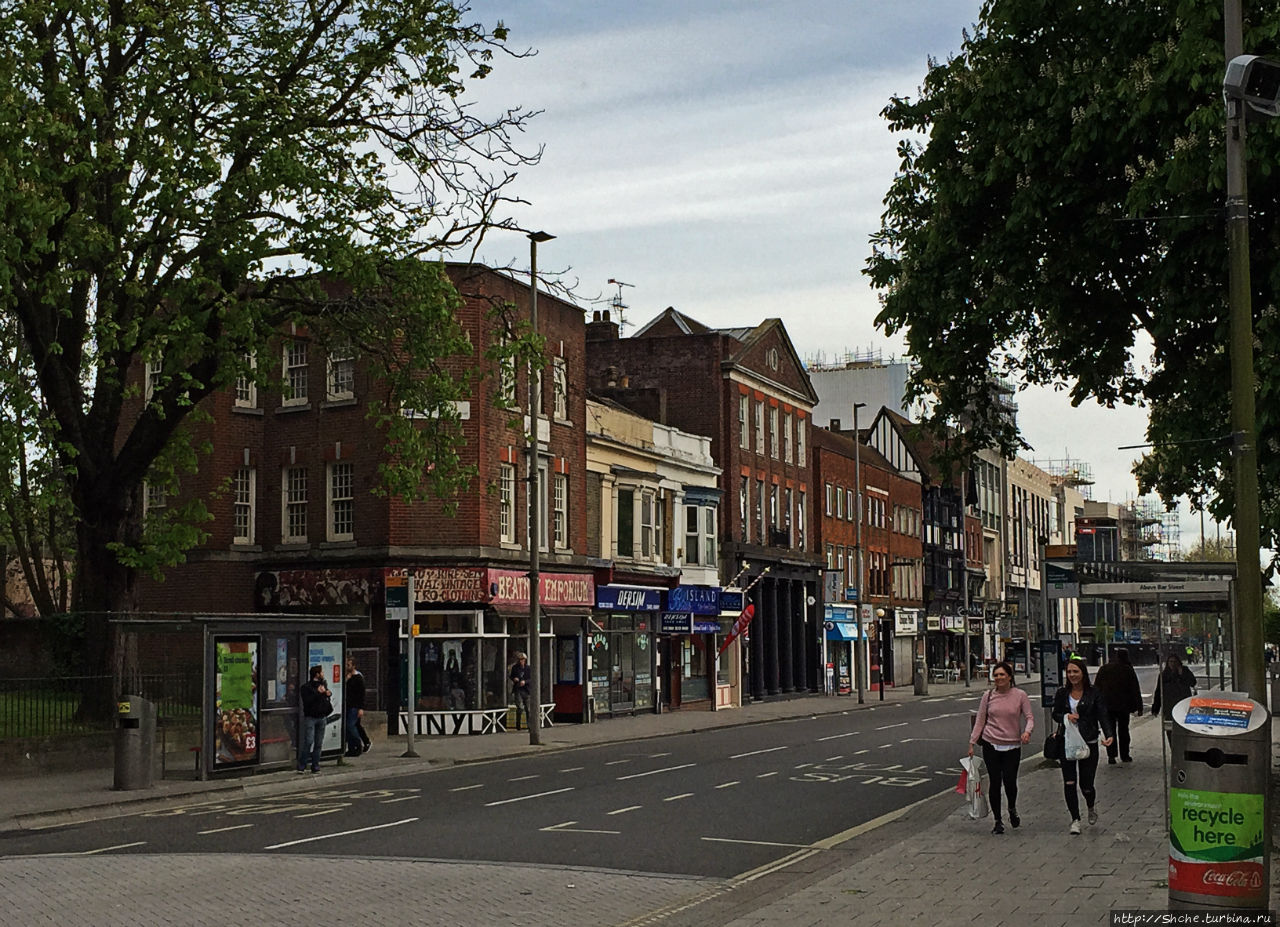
(718, 803)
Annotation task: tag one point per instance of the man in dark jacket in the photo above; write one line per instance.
(316, 706)
(1117, 682)
(353, 696)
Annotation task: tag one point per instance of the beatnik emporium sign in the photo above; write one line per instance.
(511, 587)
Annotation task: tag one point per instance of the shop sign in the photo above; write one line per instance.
(449, 584)
(511, 587)
(731, 601)
(905, 621)
(700, 600)
(628, 598)
(676, 623)
(933, 623)
(705, 627)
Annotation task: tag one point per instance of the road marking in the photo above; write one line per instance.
(316, 814)
(522, 778)
(118, 846)
(838, 736)
(887, 726)
(574, 769)
(832, 759)
(940, 698)
(884, 746)
(654, 772)
(508, 801)
(803, 765)
(756, 843)
(626, 809)
(738, 756)
(789, 860)
(392, 801)
(860, 752)
(567, 827)
(345, 833)
(937, 718)
(766, 775)
(223, 830)
(616, 762)
(725, 785)
(654, 756)
(467, 788)
(678, 797)
(844, 836)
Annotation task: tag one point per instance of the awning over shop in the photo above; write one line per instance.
(844, 631)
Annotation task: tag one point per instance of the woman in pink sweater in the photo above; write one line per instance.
(1003, 725)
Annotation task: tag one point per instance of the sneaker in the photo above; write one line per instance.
(1111, 761)
(301, 770)
(999, 828)
(367, 747)
(1014, 820)
(315, 770)
(1126, 759)
(1075, 828)
(1093, 814)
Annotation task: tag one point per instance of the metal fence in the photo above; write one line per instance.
(52, 706)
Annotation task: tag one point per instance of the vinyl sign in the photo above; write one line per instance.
(1216, 844)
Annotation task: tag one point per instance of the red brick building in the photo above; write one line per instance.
(299, 526)
(747, 390)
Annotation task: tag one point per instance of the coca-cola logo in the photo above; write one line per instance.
(1234, 878)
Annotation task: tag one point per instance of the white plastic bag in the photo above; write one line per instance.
(975, 794)
(1076, 748)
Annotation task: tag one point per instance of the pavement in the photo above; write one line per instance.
(925, 864)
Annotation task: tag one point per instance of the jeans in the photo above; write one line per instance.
(355, 733)
(1082, 771)
(522, 705)
(1119, 743)
(1002, 767)
(312, 742)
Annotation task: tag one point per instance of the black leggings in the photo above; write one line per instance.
(1087, 769)
(1002, 767)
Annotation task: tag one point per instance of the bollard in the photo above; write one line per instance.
(1218, 803)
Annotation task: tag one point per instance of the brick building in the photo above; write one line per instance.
(300, 527)
(747, 390)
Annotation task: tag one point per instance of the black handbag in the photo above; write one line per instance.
(1054, 746)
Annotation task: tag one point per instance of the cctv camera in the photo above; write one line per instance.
(1256, 81)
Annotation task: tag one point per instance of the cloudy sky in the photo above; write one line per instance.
(727, 157)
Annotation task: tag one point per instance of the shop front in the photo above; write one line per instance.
(840, 624)
(687, 627)
(622, 663)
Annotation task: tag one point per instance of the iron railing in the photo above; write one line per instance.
(52, 706)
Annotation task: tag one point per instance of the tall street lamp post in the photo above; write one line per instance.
(534, 494)
(857, 546)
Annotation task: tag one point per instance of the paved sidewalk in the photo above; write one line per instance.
(949, 872)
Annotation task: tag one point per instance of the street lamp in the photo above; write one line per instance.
(534, 495)
(1250, 83)
(857, 546)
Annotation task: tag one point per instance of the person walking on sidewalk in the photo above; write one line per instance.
(316, 708)
(1176, 682)
(1117, 683)
(520, 687)
(1079, 703)
(357, 739)
(1004, 723)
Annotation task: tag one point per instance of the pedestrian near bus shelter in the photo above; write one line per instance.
(1117, 682)
(1004, 723)
(316, 707)
(1079, 702)
(357, 739)
(520, 687)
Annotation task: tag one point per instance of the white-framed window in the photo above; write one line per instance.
(831, 557)
(787, 445)
(802, 526)
(839, 502)
(295, 374)
(692, 535)
(646, 525)
(294, 516)
(760, 529)
(560, 511)
(151, 377)
(773, 432)
(560, 384)
(759, 427)
(851, 503)
(773, 510)
(507, 503)
(340, 383)
(744, 427)
(244, 505)
(154, 501)
(544, 530)
(788, 503)
(710, 536)
(507, 375)
(246, 388)
(341, 502)
(744, 509)
(831, 499)
(800, 442)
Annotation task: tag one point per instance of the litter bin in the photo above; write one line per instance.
(1218, 814)
(135, 742)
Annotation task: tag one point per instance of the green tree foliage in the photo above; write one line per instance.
(1059, 207)
(181, 181)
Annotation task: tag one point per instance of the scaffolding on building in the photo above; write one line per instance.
(869, 357)
(1069, 470)
(1159, 529)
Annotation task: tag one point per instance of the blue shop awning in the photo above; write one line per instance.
(844, 631)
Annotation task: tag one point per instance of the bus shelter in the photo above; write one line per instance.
(251, 668)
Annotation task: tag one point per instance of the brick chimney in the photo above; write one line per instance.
(601, 328)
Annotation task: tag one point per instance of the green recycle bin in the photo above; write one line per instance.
(135, 742)
(1221, 755)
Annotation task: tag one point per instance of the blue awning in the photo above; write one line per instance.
(844, 631)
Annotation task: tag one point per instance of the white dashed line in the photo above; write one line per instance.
(626, 809)
(738, 756)
(522, 778)
(654, 772)
(223, 830)
(509, 801)
(678, 797)
(766, 775)
(726, 785)
(467, 788)
(344, 833)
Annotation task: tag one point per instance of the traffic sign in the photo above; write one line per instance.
(851, 594)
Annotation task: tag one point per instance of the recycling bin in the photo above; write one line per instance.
(1218, 805)
(135, 742)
